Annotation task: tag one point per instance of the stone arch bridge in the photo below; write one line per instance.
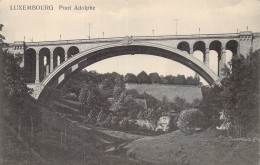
(49, 63)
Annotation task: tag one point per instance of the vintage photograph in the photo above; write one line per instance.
(129, 82)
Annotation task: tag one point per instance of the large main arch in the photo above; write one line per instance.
(81, 60)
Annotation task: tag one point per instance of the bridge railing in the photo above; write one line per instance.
(115, 39)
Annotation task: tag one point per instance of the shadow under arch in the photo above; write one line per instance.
(88, 57)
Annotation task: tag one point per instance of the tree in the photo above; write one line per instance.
(169, 79)
(108, 83)
(126, 106)
(83, 94)
(14, 92)
(118, 88)
(130, 78)
(180, 104)
(211, 104)
(180, 80)
(238, 95)
(241, 91)
(155, 78)
(90, 96)
(13, 80)
(193, 81)
(143, 78)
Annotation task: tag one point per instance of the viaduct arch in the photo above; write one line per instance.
(81, 60)
(48, 63)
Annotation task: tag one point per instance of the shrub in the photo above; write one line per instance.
(190, 120)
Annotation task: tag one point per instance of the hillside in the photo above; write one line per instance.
(189, 93)
(202, 148)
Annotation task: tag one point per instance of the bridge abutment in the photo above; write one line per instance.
(245, 42)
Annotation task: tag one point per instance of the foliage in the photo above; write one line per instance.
(211, 104)
(180, 104)
(143, 78)
(20, 108)
(155, 78)
(180, 80)
(90, 96)
(126, 106)
(240, 91)
(130, 78)
(107, 81)
(192, 81)
(189, 120)
(13, 80)
(238, 95)
(119, 87)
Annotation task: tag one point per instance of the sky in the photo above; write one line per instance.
(118, 18)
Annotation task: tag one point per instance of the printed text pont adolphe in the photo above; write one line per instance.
(53, 7)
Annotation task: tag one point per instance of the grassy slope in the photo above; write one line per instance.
(198, 149)
(14, 151)
(171, 91)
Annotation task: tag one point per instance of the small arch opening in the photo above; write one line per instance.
(232, 45)
(58, 56)
(184, 46)
(44, 62)
(72, 51)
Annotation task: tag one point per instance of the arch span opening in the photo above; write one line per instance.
(88, 57)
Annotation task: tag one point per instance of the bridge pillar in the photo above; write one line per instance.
(220, 64)
(51, 62)
(66, 56)
(206, 59)
(37, 80)
(191, 51)
(47, 70)
(222, 60)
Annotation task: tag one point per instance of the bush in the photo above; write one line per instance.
(190, 120)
